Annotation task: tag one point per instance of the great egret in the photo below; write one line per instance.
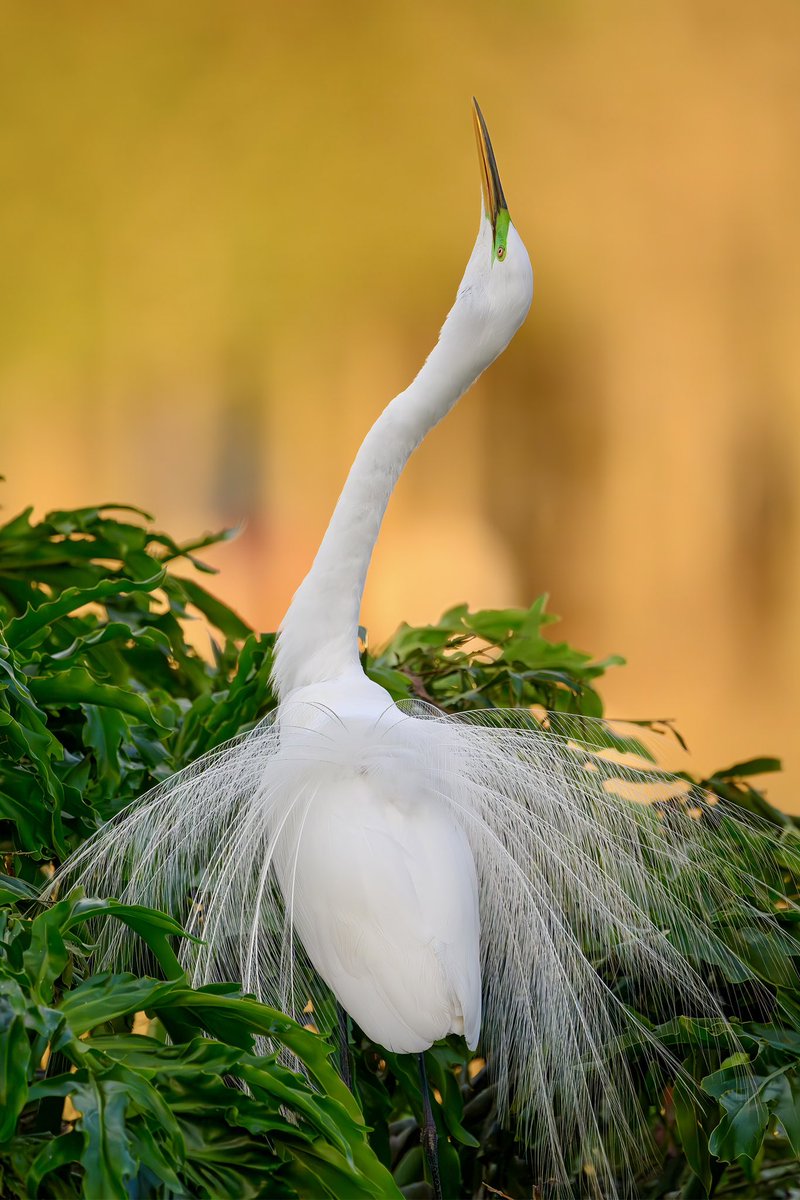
(437, 874)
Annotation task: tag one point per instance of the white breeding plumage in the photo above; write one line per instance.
(382, 880)
(422, 867)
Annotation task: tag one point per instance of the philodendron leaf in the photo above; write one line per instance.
(12, 889)
(786, 1107)
(689, 1118)
(103, 998)
(76, 686)
(219, 614)
(15, 1053)
(333, 1176)
(742, 1128)
(54, 1154)
(752, 766)
(229, 1015)
(34, 620)
(741, 1095)
(155, 928)
(106, 1158)
(46, 955)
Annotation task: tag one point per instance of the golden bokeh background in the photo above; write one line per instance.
(229, 233)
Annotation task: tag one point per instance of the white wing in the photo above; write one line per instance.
(382, 892)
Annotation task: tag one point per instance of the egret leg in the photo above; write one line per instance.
(427, 1134)
(344, 1048)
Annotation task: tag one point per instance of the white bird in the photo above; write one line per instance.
(384, 887)
(438, 875)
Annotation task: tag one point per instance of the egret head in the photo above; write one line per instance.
(497, 288)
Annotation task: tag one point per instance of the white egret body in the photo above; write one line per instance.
(382, 887)
(385, 895)
(438, 874)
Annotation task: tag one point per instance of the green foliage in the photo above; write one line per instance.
(151, 1118)
(103, 694)
(497, 658)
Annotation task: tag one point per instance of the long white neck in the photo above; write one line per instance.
(318, 638)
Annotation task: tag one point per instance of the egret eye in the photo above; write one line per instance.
(501, 252)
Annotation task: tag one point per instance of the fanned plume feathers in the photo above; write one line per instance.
(591, 900)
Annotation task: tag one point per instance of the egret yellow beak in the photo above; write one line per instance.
(494, 200)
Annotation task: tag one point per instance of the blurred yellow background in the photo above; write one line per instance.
(230, 231)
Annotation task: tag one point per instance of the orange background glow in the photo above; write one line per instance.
(230, 231)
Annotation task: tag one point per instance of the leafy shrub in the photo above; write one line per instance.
(101, 696)
(158, 1119)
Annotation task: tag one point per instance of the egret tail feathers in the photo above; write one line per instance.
(609, 892)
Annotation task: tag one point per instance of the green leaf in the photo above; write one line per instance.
(786, 1107)
(249, 1015)
(441, 1060)
(104, 733)
(219, 614)
(106, 1158)
(741, 1131)
(155, 928)
(76, 686)
(690, 1114)
(333, 1176)
(103, 998)
(57, 1153)
(751, 766)
(325, 1114)
(22, 628)
(46, 956)
(13, 889)
(15, 1055)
